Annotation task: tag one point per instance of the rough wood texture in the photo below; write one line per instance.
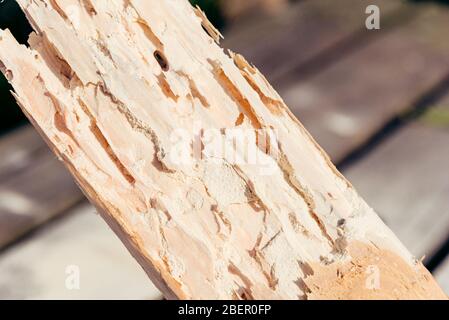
(110, 85)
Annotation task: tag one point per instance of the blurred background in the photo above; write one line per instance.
(376, 100)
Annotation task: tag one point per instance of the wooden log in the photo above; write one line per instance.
(139, 102)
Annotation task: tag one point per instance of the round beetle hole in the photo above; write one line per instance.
(160, 58)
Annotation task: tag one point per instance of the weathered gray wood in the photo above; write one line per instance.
(279, 43)
(351, 100)
(438, 115)
(36, 268)
(18, 149)
(405, 181)
(233, 9)
(34, 186)
(442, 275)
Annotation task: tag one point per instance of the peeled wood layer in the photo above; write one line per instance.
(109, 84)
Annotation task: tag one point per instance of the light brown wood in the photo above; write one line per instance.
(113, 86)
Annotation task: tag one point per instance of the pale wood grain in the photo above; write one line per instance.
(108, 93)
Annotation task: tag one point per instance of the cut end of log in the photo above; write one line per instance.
(371, 273)
(194, 159)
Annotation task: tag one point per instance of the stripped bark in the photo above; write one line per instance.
(112, 85)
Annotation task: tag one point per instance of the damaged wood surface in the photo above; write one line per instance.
(109, 84)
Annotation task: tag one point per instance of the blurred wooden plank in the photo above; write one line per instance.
(405, 181)
(81, 239)
(278, 43)
(347, 103)
(442, 275)
(34, 186)
(236, 8)
(18, 148)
